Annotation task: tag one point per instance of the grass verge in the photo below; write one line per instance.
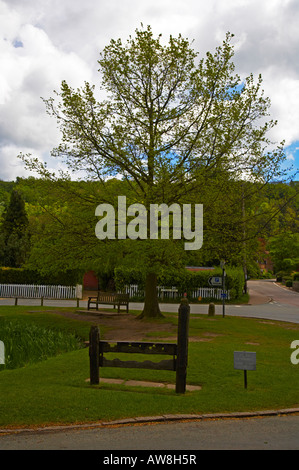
(55, 390)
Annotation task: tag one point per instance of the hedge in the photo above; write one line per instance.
(183, 279)
(28, 276)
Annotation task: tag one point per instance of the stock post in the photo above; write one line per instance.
(182, 345)
(94, 355)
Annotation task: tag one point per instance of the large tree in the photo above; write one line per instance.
(171, 122)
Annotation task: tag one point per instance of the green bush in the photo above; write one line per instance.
(183, 279)
(289, 283)
(126, 276)
(295, 276)
(280, 275)
(28, 276)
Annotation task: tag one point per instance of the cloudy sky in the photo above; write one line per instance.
(46, 41)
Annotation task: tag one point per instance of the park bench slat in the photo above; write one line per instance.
(108, 299)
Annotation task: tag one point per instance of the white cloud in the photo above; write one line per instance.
(284, 93)
(28, 73)
(62, 39)
(290, 155)
(267, 42)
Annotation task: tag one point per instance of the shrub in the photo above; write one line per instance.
(183, 279)
(126, 276)
(28, 276)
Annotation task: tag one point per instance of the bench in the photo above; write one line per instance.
(108, 298)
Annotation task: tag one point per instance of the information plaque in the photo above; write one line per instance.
(245, 360)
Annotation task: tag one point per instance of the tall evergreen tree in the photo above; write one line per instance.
(14, 238)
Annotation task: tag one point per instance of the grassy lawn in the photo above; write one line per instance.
(55, 390)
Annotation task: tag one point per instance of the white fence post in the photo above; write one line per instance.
(204, 292)
(37, 291)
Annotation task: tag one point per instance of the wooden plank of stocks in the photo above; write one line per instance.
(169, 349)
(162, 365)
(138, 347)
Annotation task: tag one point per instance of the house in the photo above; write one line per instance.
(199, 268)
(264, 262)
(90, 281)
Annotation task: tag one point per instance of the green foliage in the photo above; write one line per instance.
(15, 217)
(178, 129)
(15, 237)
(27, 276)
(126, 276)
(27, 343)
(6, 188)
(284, 251)
(183, 279)
(283, 201)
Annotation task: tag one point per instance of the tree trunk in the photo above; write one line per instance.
(151, 305)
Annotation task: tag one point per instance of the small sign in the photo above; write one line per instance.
(215, 281)
(245, 360)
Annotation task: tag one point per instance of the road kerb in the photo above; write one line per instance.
(152, 420)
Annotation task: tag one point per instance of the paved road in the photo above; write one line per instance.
(269, 301)
(267, 433)
(273, 292)
(262, 293)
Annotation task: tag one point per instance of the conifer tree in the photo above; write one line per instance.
(14, 244)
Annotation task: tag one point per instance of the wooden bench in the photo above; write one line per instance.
(108, 298)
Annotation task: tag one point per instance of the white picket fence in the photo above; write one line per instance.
(172, 293)
(35, 291)
(211, 292)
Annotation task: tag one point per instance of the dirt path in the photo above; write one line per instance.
(125, 327)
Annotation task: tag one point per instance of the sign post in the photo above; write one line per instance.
(215, 281)
(245, 360)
